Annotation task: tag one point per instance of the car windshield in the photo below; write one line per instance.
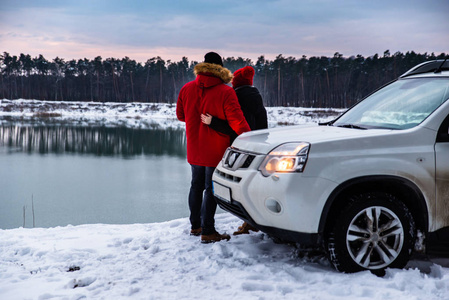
(400, 105)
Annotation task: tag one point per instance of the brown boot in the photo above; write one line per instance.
(244, 229)
(214, 237)
(195, 232)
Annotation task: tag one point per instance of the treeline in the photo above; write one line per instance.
(285, 81)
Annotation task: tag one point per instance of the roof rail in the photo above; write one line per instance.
(435, 66)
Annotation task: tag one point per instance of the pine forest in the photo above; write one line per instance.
(319, 82)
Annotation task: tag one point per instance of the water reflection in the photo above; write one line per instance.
(119, 175)
(96, 139)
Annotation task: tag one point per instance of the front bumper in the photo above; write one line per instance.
(287, 206)
(305, 239)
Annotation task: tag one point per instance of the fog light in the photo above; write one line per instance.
(273, 205)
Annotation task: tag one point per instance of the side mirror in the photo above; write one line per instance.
(443, 132)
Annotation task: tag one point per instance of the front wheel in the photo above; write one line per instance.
(373, 232)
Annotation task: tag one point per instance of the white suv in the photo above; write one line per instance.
(368, 187)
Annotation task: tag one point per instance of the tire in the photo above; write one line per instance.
(374, 231)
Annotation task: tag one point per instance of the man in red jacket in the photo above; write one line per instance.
(208, 93)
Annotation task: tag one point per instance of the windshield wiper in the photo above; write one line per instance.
(351, 126)
(440, 68)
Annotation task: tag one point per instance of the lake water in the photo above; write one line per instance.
(55, 174)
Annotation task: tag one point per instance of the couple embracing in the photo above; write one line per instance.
(215, 114)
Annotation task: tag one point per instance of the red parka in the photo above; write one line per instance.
(208, 93)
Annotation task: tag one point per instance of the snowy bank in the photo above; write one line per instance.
(162, 261)
(144, 115)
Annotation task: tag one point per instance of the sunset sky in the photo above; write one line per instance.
(74, 29)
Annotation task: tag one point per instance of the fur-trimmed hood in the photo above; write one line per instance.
(215, 70)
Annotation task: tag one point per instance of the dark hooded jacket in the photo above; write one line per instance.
(208, 93)
(252, 106)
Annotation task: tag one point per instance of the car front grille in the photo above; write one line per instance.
(227, 176)
(235, 159)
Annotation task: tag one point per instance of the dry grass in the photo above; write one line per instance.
(43, 114)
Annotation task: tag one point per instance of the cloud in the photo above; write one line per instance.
(251, 28)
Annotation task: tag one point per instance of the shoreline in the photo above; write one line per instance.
(144, 115)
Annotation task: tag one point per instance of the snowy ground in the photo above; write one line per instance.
(162, 261)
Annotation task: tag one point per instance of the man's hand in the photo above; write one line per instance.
(206, 119)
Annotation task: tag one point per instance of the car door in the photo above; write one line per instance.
(442, 176)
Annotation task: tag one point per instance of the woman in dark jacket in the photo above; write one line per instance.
(252, 106)
(250, 101)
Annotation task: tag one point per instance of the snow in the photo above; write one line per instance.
(162, 261)
(143, 115)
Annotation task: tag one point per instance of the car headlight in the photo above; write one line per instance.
(289, 157)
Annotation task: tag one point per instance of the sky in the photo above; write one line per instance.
(172, 29)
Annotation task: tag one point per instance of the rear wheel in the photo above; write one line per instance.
(373, 232)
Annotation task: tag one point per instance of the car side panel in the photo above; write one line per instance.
(409, 155)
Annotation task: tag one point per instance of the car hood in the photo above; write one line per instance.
(263, 141)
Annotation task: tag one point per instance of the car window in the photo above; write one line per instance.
(400, 105)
